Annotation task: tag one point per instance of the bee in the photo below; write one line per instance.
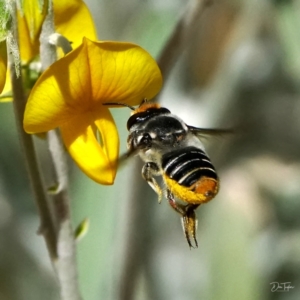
(172, 149)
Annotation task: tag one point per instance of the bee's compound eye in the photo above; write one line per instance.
(143, 141)
(146, 139)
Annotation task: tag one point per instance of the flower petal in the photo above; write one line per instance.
(79, 25)
(30, 19)
(6, 95)
(93, 74)
(72, 19)
(122, 72)
(60, 93)
(96, 161)
(3, 64)
(109, 136)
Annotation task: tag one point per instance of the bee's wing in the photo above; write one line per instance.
(205, 132)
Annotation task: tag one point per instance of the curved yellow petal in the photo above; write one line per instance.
(93, 74)
(79, 25)
(122, 72)
(97, 160)
(3, 64)
(8, 86)
(72, 19)
(34, 12)
(6, 95)
(30, 19)
(59, 94)
(106, 126)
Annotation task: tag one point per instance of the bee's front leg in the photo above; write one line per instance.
(149, 170)
(188, 218)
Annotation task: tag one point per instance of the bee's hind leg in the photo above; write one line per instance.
(149, 170)
(189, 224)
(188, 218)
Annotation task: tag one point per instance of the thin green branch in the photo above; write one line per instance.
(46, 227)
(66, 266)
(55, 225)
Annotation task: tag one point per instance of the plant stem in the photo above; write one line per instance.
(55, 224)
(66, 267)
(47, 226)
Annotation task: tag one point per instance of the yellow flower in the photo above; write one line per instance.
(3, 64)
(72, 19)
(70, 95)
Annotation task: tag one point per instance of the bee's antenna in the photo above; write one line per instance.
(119, 104)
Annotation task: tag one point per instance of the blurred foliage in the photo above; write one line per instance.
(241, 69)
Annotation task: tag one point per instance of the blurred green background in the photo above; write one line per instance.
(240, 68)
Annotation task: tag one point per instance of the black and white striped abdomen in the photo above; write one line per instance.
(186, 166)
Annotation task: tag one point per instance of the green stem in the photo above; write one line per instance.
(46, 227)
(65, 265)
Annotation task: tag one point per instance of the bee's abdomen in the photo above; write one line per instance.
(186, 166)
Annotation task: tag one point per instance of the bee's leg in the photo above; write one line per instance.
(149, 170)
(188, 218)
(189, 224)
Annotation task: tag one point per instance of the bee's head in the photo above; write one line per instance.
(143, 113)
